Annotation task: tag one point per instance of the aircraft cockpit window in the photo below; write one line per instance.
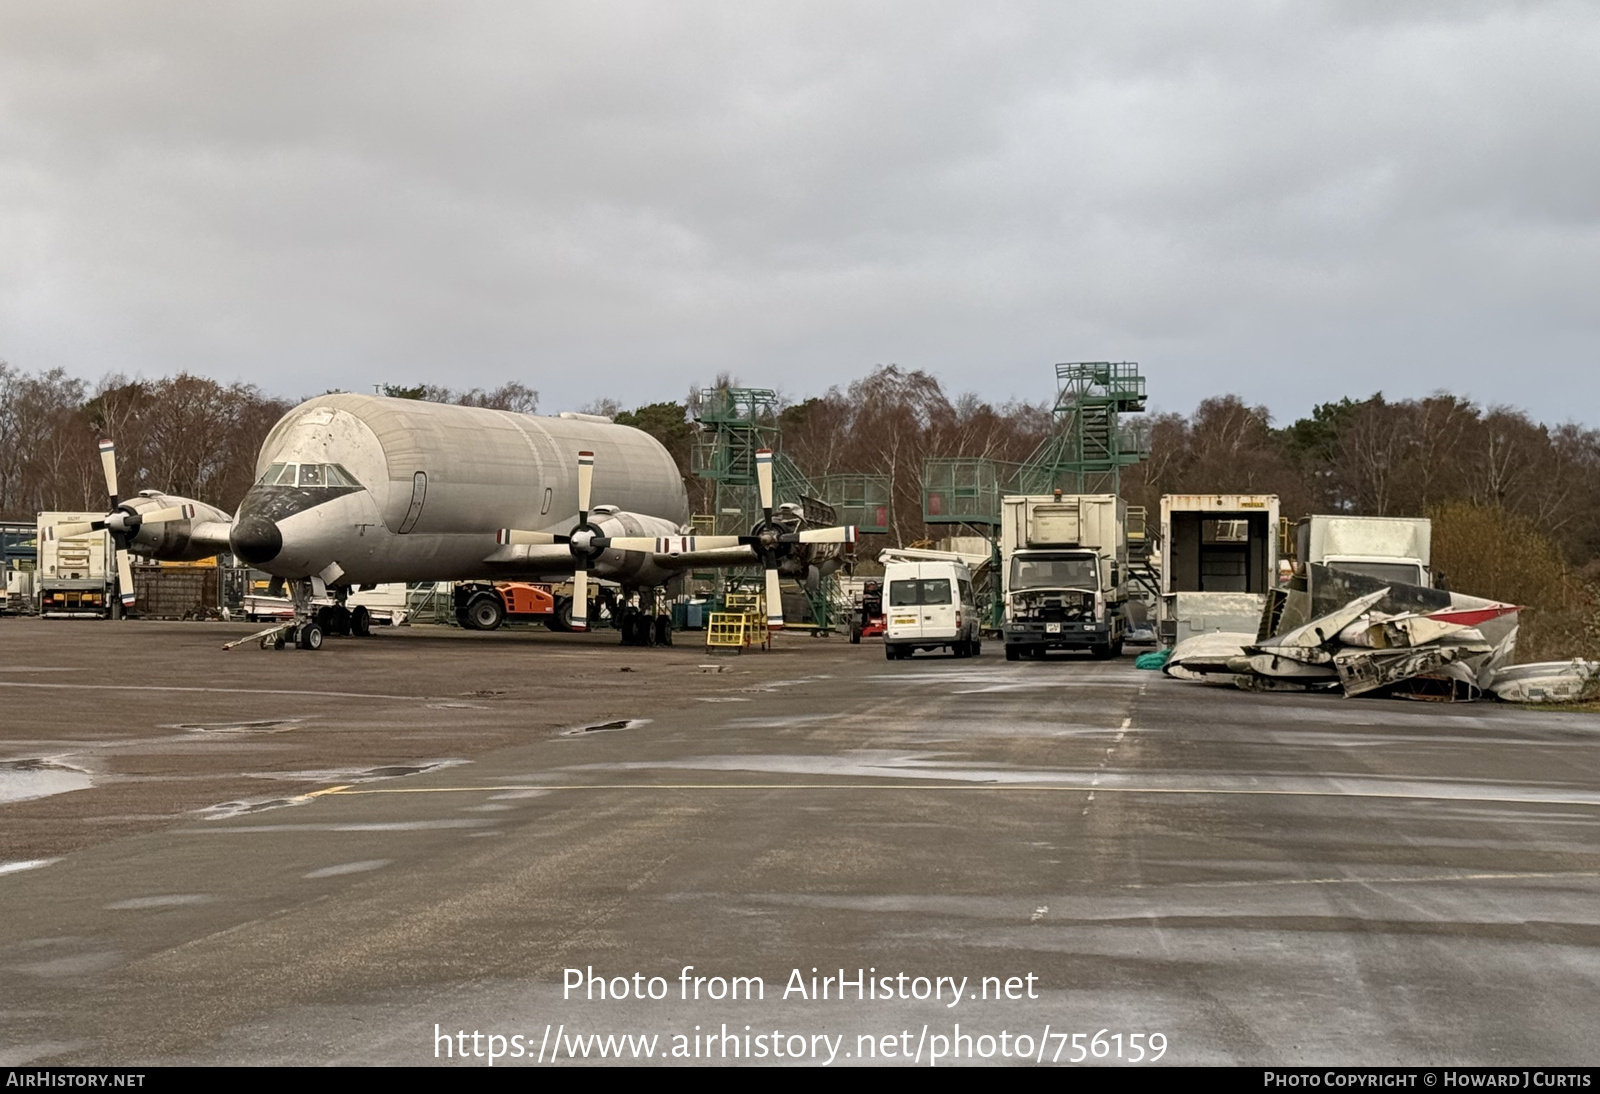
(308, 474)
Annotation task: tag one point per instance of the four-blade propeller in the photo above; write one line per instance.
(123, 523)
(767, 540)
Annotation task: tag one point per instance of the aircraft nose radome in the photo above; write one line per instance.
(255, 539)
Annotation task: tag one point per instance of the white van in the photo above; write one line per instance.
(927, 605)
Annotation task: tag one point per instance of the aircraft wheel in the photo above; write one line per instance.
(339, 620)
(663, 630)
(361, 621)
(1013, 653)
(486, 612)
(309, 637)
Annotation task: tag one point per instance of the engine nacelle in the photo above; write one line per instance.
(173, 540)
(630, 567)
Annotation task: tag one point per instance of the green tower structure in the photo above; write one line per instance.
(737, 422)
(1091, 444)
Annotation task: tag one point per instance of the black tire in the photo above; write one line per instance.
(464, 619)
(663, 630)
(277, 643)
(360, 621)
(339, 620)
(1116, 648)
(1100, 652)
(324, 618)
(309, 637)
(890, 653)
(1013, 652)
(486, 612)
(561, 618)
(977, 647)
(855, 633)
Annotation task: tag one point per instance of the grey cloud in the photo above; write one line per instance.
(1294, 202)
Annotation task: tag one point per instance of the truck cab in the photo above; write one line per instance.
(1065, 574)
(929, 605)
(1397, 550)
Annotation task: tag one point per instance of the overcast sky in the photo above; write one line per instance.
(1290, 201)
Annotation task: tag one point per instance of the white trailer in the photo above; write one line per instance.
(1219, 560)
(1396, 549)
(1064, 573)
(77, 576)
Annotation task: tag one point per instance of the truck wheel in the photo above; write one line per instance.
(1116, 648)
(855, 633)
(486, 612)
(891, 652)
(361, 621)
(1013, 653)
(1100, 652)
(977, 647)
(560, 619)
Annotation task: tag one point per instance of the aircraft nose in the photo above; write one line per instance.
(255, 539)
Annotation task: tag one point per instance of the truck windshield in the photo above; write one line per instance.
(905, 594)
(1404, 573)
(1066, 572)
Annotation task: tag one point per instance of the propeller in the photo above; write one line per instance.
(766, 539)
(123, 523)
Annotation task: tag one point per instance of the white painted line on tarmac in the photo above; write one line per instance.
(1081, 788)
(1427, 879)
(226, 691)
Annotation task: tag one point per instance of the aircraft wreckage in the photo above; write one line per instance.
(1333, 630)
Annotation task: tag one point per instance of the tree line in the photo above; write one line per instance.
(193, 436)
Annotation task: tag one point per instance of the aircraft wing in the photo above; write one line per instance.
(723, 556)
(557, 558)
(211, 533)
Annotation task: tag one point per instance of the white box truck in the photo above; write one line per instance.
(1398, 549)
(1064, 573)
(77, 576)
(1219, 560)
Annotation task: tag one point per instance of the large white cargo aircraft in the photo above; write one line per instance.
(359, 489)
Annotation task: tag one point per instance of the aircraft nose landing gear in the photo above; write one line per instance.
(311, 624)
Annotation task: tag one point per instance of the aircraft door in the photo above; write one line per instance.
(419, 491)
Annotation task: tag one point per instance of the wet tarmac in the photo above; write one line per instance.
(340, 856)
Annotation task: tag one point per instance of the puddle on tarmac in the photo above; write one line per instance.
(224, 810)
(143, 903)
(606, 727)
(343, 868)
(268, 725)
(26, 864)
(21, 780)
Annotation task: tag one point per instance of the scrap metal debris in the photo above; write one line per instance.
(1337, 631)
